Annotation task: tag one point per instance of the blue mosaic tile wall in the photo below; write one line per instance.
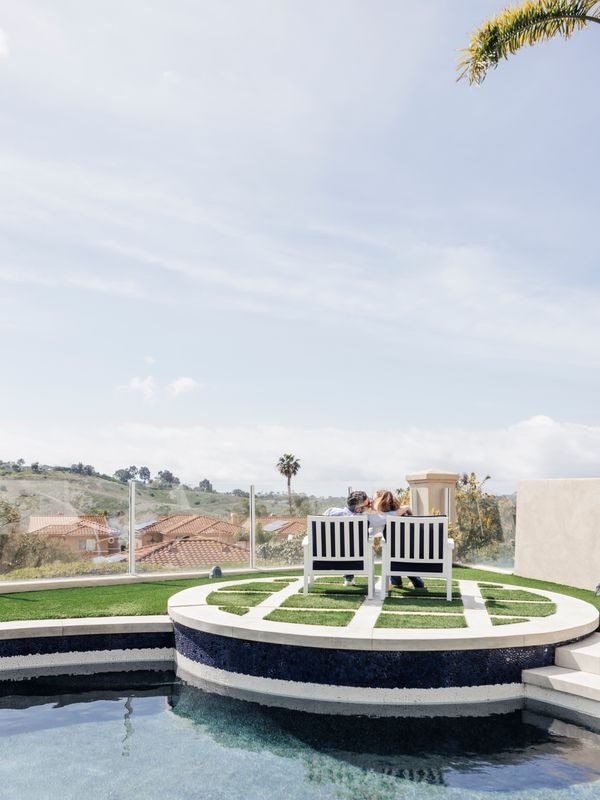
(45, 645)
(368, 669)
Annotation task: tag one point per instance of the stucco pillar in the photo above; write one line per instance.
(433, 491)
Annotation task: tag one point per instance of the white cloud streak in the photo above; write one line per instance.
(4, 49)
(181, 386)
(146, 386)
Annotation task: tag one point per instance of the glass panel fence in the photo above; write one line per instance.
(60, 522)
(281, 522)
(484, 532)
(181, 528)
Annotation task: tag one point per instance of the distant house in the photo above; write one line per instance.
(86, 536)
(284, 529)
(192, 553)
(183, 526)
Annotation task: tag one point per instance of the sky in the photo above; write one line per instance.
(231, 230)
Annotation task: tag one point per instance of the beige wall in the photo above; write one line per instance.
(558, 531)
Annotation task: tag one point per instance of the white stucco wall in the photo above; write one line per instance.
(558, 531)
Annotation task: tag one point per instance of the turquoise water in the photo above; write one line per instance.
(151, 737)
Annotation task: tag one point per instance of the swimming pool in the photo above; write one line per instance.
(149, 735)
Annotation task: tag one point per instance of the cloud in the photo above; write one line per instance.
(147, 386)
(149, 359)
(181, 386)
(4, 50)
(331, 458)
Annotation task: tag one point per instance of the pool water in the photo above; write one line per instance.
(149, 736)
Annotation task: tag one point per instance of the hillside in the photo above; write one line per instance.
(62, 492)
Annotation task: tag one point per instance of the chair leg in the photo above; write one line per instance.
(449, 589)
(305, 583)
(384, 586)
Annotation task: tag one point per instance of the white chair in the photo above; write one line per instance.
(416, 546)
(338, 546)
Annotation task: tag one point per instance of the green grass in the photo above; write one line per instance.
(151, 598)
(507, 620)
(338, 619)
(322, 601)
(422, 604)
(267, 586)
(420, 621)
(505, 608)
(240, 610)
(132, 599)
(236, 598)
(337, 588)
(513, 594)
(426, 592)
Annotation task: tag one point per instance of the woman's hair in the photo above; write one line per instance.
(384, 501)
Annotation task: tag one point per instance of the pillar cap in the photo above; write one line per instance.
(433, 475)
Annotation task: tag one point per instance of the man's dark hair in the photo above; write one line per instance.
(356, 499)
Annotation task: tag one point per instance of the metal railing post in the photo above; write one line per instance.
(131, 559)
(252, 529)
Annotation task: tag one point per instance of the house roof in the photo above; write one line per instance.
(38, 522)
(190, 525)
(284, 526)
(192, 552)
(71, 526)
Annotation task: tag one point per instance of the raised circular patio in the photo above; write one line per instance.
(361, 668)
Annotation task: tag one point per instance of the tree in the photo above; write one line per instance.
(81, 469)
(9, 514)
(288, 465)
(144, 474)
(478, 517)
(531, 22)
(205, 486)
(126, 474)
(166, 478)
(31, 550)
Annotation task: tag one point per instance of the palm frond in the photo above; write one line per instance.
(532, 22)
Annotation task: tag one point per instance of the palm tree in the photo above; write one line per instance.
(288, 465)
(529, 23)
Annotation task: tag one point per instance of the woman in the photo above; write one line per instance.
(384, 502)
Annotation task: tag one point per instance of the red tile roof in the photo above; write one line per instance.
(180, 525)
(192, 552)
(71, 526)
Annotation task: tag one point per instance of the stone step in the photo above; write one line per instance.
(584, 655)
(561, 679)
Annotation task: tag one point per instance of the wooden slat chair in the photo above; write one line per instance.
(338, 546)
(416, 546)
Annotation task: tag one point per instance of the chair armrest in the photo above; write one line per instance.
(305, 541)
(451, 544)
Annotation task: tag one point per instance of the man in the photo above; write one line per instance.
(356, 503)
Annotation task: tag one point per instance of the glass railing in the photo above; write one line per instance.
(181, 528)
(61, 523)
(66, 523)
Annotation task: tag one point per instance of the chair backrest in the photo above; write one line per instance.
(417, 543)
(338, 542)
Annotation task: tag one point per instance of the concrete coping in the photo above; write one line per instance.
(573, 619)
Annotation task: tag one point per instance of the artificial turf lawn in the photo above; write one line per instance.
(506, 608)
(512, 594)
(322, 601)
(236, 598)
(507, 620)
(338, 619)
(337, 588)
(151, 597)
(402, 604)
(420, 621)
(267, 586)
(240, 610)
